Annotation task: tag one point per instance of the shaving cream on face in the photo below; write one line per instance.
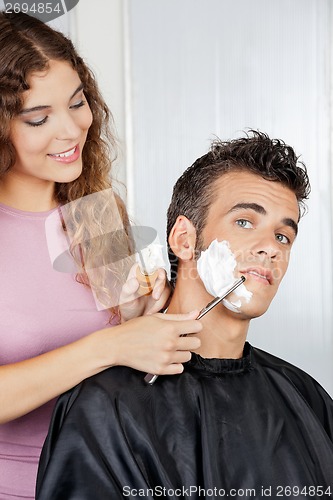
(216, 267)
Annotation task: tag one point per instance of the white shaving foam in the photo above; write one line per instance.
(152, 256)
(216, 267)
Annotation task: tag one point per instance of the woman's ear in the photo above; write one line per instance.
(182, 238)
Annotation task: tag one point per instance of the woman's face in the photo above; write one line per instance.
(50, 132)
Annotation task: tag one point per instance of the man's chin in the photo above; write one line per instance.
(248, 312)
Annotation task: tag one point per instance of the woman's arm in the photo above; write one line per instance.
(151, 344)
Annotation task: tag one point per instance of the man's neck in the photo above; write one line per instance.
(223, 334)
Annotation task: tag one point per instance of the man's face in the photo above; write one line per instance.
(259, 220)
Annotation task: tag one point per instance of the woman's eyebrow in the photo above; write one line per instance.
(80, 87)
(48, 106)
(35, 108)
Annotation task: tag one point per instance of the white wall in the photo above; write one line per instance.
(195, 68)
(209, 67)
(97, 30)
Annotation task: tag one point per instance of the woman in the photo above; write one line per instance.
(53, 151)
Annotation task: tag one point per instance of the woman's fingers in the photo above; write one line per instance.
(156, 344)
(160, 284)
(134, 304)
(192, 315)
(129, 289)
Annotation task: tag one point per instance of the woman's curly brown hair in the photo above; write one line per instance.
(27, 45)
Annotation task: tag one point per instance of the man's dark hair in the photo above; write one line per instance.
(271, 159)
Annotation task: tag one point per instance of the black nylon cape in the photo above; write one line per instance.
(244, 428)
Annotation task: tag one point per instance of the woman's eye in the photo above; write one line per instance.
(78, 104)
(244, 223)
(37, 123)
(283, 239)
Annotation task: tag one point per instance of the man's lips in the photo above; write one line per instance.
(259, 274)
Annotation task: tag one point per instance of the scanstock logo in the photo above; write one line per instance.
(46, 10)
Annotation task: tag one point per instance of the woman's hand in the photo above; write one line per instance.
(150, 343)
(154, 343)
(132, 304)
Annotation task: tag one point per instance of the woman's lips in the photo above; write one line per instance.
(68, 156)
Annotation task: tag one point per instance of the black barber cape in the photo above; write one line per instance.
(253, 427)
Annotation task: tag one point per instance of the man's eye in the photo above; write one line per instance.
(244, 223)
(283, 239)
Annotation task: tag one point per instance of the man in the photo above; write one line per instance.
(238, 422)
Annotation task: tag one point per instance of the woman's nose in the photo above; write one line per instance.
(68, 129)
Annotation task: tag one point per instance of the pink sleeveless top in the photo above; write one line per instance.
(40, 309)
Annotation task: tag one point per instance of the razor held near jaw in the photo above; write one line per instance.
(150, 378)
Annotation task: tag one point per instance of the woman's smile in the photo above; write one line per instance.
(68, 156)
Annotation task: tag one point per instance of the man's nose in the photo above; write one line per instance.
(267, 246)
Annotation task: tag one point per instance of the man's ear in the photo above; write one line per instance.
(182, 238)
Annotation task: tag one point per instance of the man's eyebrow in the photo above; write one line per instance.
(47, 106)
(261, 210)
(291, 223)
(252, 206)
